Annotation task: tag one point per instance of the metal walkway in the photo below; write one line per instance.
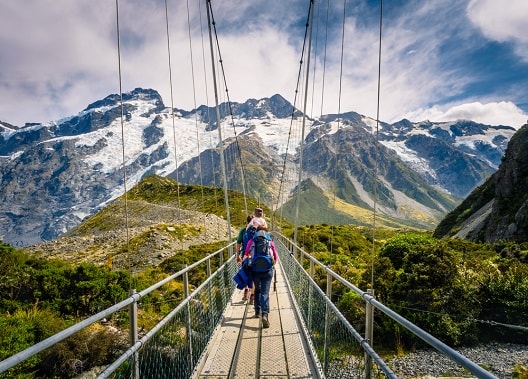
(241, 348)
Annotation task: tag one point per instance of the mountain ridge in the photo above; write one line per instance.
(54, 175)
(498, 209)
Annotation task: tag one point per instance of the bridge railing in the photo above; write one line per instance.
(173, 347)
(342, 351)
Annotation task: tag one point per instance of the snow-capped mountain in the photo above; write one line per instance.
(498, 209)
(54, 175)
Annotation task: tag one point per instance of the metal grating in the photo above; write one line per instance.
(242, 349)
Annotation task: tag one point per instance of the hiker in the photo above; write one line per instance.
(262, 256)
(240, 239)
(258, 219)
(240, 248)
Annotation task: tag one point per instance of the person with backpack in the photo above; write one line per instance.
(253, 221)
(240, 246)
(258, 219)
(261, 257)
(240, 243)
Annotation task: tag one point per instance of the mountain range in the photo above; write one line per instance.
(53, 175)
(497, 210)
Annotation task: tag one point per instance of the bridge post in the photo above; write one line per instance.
(209, 292)
(134, 336)
(189, 328)
(327, 319)
(369, 333)
(310, 294)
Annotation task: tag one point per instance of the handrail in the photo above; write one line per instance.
(362, 341)
(414, 329)
(131, 350)
(13, 360)
(288, 247)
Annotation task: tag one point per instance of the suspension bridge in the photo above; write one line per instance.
(213, 334)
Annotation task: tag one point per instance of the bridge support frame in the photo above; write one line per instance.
(134, 335)
(369, 333)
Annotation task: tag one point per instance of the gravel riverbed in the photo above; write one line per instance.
(498, 359)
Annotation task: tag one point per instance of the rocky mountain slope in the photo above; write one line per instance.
(157, 221)
(498, 209)
(54, 175)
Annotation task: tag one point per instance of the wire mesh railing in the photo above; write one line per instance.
(343, 351)
(173, 347)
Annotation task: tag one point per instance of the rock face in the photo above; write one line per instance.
(156, 232)
(497, 210)
(52, 176)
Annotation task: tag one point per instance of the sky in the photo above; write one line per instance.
(441, 60)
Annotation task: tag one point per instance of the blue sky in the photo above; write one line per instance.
(440, 60)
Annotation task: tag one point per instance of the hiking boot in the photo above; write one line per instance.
(265, 321)
(252, 299)
(257, 314)
(246, 291)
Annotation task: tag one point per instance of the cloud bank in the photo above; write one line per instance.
(439, 60)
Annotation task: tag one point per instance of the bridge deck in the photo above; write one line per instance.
(241, 348)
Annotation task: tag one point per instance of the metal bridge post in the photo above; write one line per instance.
(189, 328)
(327, 321)
(310, 294)
(209, 292)
(369, 334)
(134, 336)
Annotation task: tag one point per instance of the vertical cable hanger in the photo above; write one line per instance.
(220, 141)
(199, 155)
(172, 109)
(297, 201)
(229, 110)
(376, 152)
(290, 139)
(123, 148)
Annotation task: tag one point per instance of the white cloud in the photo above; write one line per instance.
(59, 55)
(498, 113)
(502, 22)
(63, 55)
(411, 70)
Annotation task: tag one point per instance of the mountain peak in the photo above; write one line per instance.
(54, 175)
(148, 95)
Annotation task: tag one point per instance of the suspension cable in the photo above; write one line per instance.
(339, 114)
(215, 187)
(310, 16)
(172, 110)
(324, 58)
(123, 140)
(297, 86)
(315, 57)
(230, 111)
(220, 141)
(376, 149)
(196, 113)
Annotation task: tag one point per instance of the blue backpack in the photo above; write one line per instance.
(261, 260)
(248, 235)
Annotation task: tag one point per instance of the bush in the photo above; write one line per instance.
(504, 298)
(89, 348)
(22, 330)
(428, 292)
(400, 245)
